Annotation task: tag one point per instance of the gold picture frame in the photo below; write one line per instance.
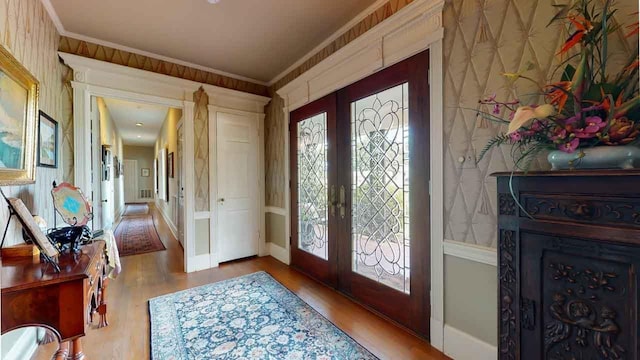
(18, 121)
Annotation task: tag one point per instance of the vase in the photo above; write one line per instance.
(599, 157)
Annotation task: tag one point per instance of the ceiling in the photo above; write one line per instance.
(126, 114)
(256, 39)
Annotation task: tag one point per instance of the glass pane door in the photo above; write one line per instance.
(380, 187)
(313, 186)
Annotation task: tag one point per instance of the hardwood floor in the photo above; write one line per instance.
(149, 275)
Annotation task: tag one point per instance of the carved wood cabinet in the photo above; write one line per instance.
(568, 259)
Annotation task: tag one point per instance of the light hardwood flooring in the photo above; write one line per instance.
(153, 274)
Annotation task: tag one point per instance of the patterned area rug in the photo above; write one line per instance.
(136, 209)
(137, 235)
(248, 317)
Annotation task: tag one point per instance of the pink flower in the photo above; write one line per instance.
(515, 136)
(496, 109)
(560, 134)
(593, 125)
(569, 147)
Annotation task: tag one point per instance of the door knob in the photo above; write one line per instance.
(105, 200)
(221, 200)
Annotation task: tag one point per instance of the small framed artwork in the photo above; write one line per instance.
(170, 165)
(145, 172)
(47, 141)
(116, 167)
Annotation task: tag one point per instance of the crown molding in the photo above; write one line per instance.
(353, 22)
(63, 32)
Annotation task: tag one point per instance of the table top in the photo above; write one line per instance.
(560, 173)
(19, 274)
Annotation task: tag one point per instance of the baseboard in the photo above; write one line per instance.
(199, 262)
(172, 227)
(462, 346)
(278, 252)
(436, 334)
(481, 254)
(25, 347)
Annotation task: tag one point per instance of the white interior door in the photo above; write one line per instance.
(108, 208)
(181, 179)
(237, 169)
(130, 181)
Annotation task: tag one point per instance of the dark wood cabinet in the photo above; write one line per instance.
(568, 259)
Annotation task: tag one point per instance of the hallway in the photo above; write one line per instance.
(149, 275)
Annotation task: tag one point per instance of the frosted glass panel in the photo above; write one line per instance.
(380, 187)
(312, 185)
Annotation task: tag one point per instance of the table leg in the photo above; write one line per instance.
(78, 354)
(102, 308)
(63, 351)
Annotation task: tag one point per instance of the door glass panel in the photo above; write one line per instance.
(380, 187)
(312, 186)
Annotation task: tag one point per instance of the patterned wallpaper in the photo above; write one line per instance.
(27, 31)
(121, 57)
(274, 152)
(484, 38)
(201, 134)
(274, 141)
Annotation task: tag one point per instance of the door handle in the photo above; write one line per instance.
(221, 201)
(342, 204)
(104, 201)
(332, 200)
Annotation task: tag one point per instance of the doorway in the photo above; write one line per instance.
(131, 189)
(359, 191)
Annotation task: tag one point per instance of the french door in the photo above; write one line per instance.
(359, 192)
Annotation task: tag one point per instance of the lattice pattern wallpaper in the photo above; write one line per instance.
(484, 38)
(27, 31)
(201, 135)
(121, 57)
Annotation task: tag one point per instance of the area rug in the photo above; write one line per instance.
(136, 209)
(137, 235)
(248, 317)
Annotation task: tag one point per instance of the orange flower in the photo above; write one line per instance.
(558, 93)
(583, 26)
(622, 132)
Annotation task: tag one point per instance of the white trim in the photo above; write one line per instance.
(278, 252)
(413, 29)
(408, 32)
(436, 191)
(346, 27)
(25, 346)
(170, 224)
(481, 254)
(188, 152)
(213, 183)
(201, 262)
(63, 32)
(462, 346)
(275, 210)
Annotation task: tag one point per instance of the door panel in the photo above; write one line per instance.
(237, 147)
(131, 181)
(360, 179)
(181, 176)
(313, 191)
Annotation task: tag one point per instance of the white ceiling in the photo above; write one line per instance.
(256, 39)
(126, 114)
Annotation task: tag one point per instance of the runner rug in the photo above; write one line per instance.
(248, 317)
(136, 209)
(137, 235)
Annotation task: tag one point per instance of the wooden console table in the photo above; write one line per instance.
(34, 295)
(568, 261)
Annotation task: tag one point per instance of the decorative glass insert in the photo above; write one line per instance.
(380, 187)
(312, 186)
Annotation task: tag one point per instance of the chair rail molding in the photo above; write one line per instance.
(98, 78)
(481, 254)
(415, 28)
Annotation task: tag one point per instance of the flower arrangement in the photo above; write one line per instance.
(588, 107)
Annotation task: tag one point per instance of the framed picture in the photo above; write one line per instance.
(47, 141)
(18, 113)
(145, 172)
(116, 167)
(170, 165)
